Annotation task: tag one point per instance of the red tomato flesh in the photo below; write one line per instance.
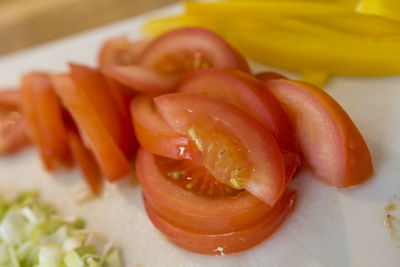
(120, 51)
(43, 112)
(185, 193)
(13, 135)
(109, 156)
(220, 244)
(187, 49)
(93, 85)
(86, 162)
(154, 134)
(236, 148)
(269, 75)
(244, 91)
(330, 144)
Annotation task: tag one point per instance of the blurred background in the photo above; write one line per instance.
(25, 23)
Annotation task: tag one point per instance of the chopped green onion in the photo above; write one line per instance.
(33, 234)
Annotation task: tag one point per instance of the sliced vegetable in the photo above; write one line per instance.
(187, 195)
(180, 51)
(45, 126)
(221, 244)
(141, 79)
(154, 134)
(385, 8)
(92, 84)
(120, 51)
(236, 148)
(330, 143)
(269, 75)
(248, 94)
(33, 234)
(86, 161)
(109, 156)
(13, 135)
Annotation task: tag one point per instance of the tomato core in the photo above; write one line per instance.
(180, 63)
(192, 176)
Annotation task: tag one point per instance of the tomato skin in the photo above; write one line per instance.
(212, 244)
(43, 112)
(120, 51)
(86, 161)
(191, 211)
(13, 135)
(269, 75)
(142, 80)
(330, 144)
(244, 91)
(109, 156)
(266, 181)
(193, 39)
(154, 133)
(93, 85)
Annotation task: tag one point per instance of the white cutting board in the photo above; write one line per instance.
(329, 227)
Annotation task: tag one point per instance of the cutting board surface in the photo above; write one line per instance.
(329, 227)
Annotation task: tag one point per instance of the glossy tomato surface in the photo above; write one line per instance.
(94, 132)
(184, 193)
(186, 49)
(13, 135)
(236, 148)
(330, 143)
(153, 133)
(220, 244)
(249, 94)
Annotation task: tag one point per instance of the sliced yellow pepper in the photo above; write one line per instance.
(346, 55)
(263, 9)
(359, 24)
(385, 8)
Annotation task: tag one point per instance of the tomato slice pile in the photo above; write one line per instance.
(219, 147)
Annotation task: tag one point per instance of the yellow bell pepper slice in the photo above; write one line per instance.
(345, 55)
(359, 24)
(263, 9)
(385, 8)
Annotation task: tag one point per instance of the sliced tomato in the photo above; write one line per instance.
(244, 91)
(154, 133)
(226, 243)
(13, 135)
(236, 148)
(43, 112)
(141, 79)
(187, 195)
(292, 162)
(120, 51)
(93, 85)
(84, 157)
(94, 132)
(187, 49)
(330, 144)
(269, 75)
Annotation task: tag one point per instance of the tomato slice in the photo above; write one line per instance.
(269, 75)
(244, 91)
(330, 144)
(141, 79)
(187, 49)
(86, 161)
(154, 133)
(43, 111)
(13, 135)
(187, 195)
(120, 51)
(226, 243)
(236, 148)
(93, 85)
(95, 134)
